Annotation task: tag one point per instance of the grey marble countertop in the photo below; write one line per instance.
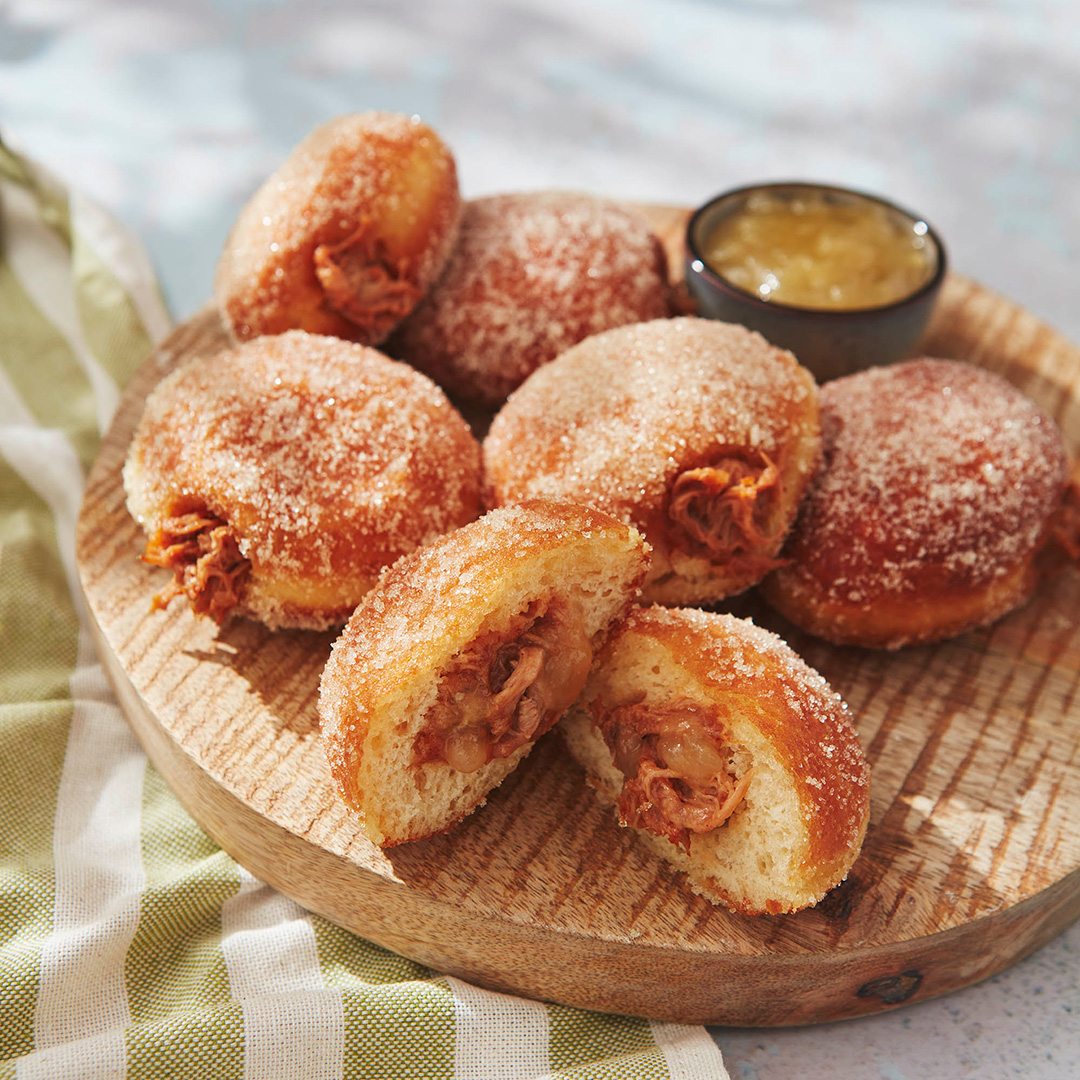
(170, 114)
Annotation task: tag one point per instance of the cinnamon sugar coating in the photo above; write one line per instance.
(532, 273)
(345, 237)
(323, 459)
(699, 433)
(938, 491)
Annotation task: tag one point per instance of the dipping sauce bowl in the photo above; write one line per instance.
(843, 279)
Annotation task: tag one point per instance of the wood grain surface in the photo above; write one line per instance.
(972, 858)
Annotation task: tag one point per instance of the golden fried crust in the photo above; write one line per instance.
(436, 602)
(797, 713)
(938, 492)
(325, 460)
(532, 274)
(619, 418)
(346, 236)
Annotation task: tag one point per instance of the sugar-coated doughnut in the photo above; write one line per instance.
(938, 491)
(728, 755)
(465, 653)
(345, 237)
(278, 478)
(699, 433)
(532, 273)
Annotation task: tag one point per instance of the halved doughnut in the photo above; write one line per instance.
(699, 433)
(938, 494)
(345, 237)
(729, 756)
(277, 479)
(465, 653)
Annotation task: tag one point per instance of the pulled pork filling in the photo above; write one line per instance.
(722, 510)
(678, 775)
(506, 689)
(205, 560)
(362, 283)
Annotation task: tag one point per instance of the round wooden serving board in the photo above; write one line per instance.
(972, 858)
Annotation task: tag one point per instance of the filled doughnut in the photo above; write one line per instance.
(277, 479)
(345, 237)
(699, 433)
(728, 756)
(465, 653)
(938, 492)
(531, 274)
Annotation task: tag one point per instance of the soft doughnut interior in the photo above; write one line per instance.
(463, 655)
(714, 776)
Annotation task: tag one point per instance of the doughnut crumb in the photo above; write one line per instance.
(466, 652)
(730, 757)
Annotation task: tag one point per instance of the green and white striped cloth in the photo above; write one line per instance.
(130, 944)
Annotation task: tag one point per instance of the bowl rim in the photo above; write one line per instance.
(696, 262)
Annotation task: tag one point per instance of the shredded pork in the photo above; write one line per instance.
(505, 690)
(363, 283)
(206, 562)
(668, 801)
(723, 509)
